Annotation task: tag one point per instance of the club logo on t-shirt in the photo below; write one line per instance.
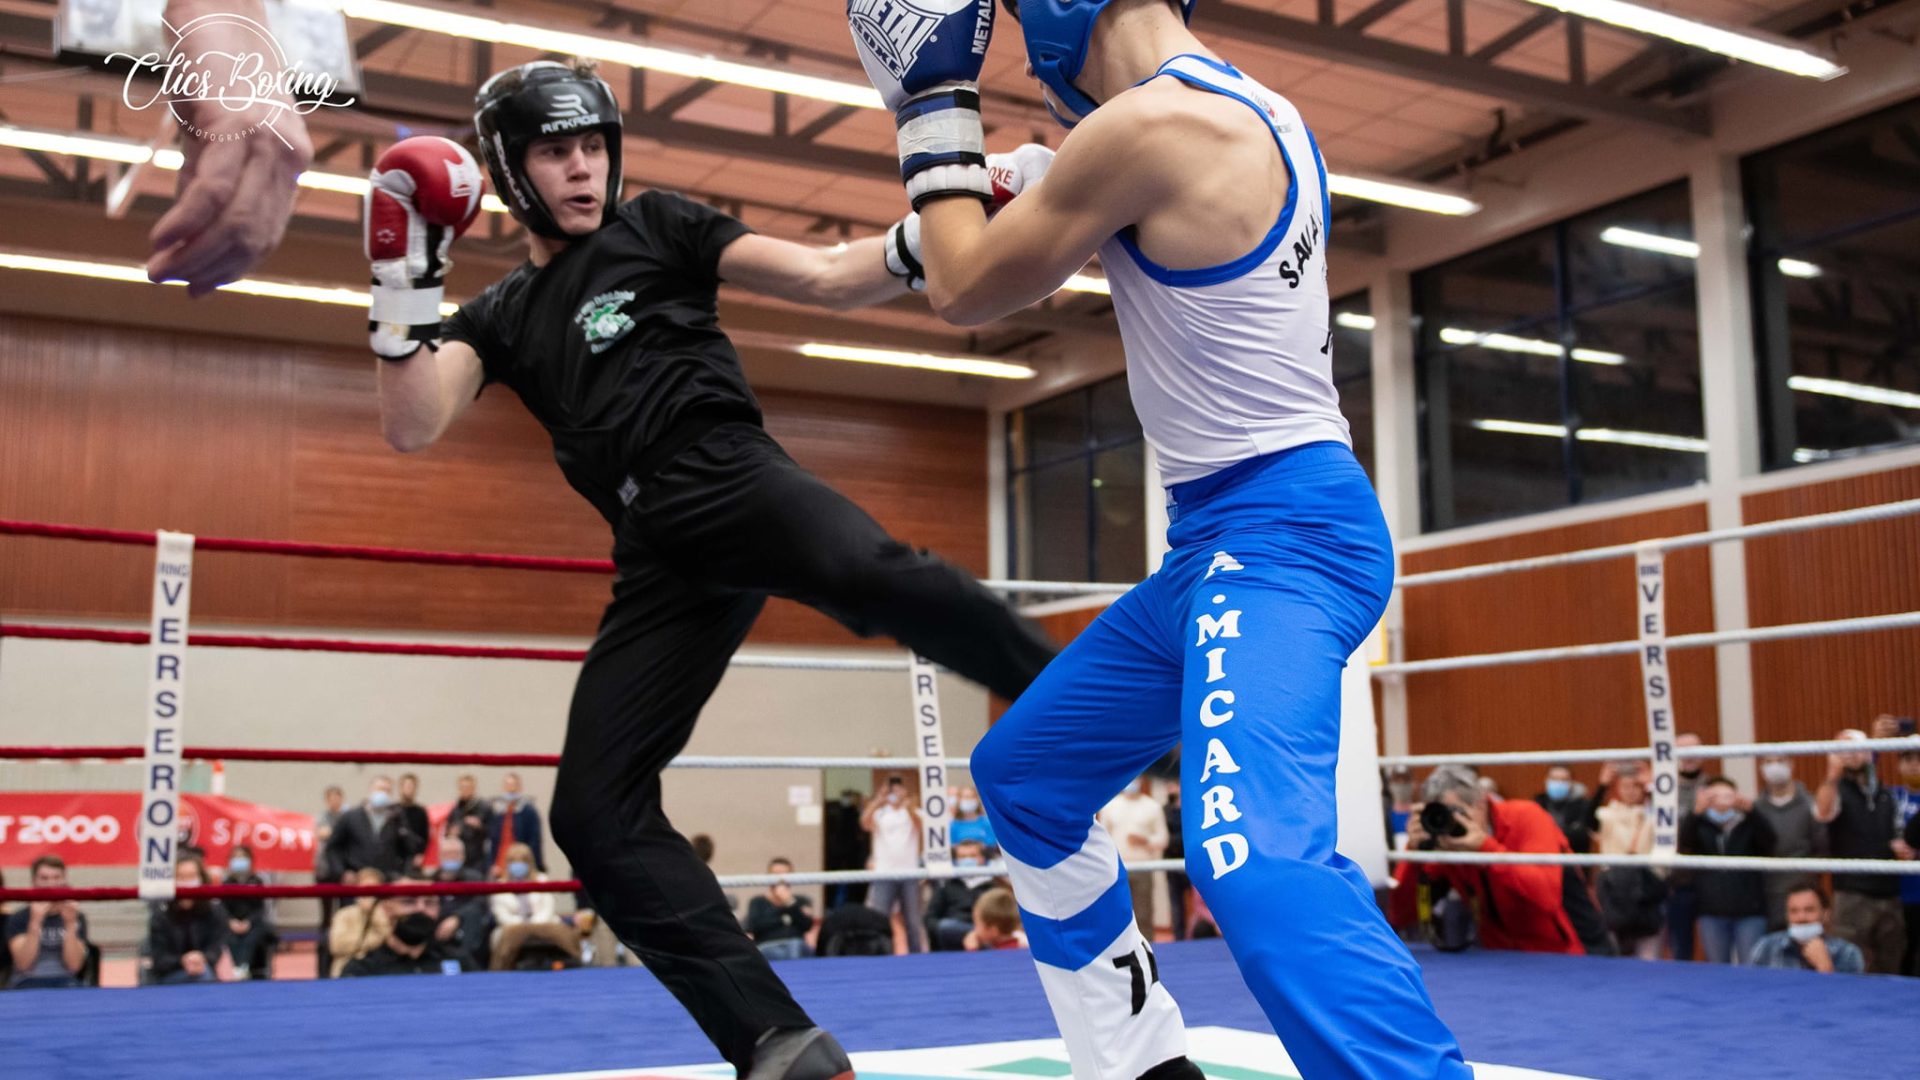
(603, 321)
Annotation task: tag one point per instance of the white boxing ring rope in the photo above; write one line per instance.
(1634, 753)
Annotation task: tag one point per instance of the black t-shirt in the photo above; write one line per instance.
(1864, 829)
(615, 339)
(433, 960)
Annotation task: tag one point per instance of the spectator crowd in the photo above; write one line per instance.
(1784, 919)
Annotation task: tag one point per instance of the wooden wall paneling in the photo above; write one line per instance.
(134, 428)
(1571, 704)
(1810, 688)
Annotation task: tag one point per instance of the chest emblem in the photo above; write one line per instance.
(602, 320)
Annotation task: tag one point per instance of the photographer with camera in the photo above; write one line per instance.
(1515, 907)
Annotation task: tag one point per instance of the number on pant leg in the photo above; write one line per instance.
(1142, 978)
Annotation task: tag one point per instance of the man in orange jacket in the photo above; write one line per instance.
(1514, 906)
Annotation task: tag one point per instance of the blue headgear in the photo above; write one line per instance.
(1057, 34)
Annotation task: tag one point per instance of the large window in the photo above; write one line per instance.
(1562, 366)
(1076, 487)
(1836, 288)
(1353, 370)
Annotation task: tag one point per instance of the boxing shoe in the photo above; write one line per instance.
(1177, 1069)
(799, 1054)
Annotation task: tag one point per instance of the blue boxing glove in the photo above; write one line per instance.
(924, 57)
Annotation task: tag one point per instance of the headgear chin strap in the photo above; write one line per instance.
(524, 103)
(1057, 33)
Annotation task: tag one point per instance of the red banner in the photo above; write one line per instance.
(99, 828)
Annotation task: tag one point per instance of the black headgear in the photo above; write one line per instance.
(524, 103)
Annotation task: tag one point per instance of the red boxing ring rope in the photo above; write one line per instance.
(314, 551)
(297, 644)
(294, 892)
(244, 753)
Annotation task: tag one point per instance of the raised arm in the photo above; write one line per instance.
(421, 395)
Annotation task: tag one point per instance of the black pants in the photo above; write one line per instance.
(724, 524)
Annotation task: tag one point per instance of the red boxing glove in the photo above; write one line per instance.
(1015, 171)
(423, 192)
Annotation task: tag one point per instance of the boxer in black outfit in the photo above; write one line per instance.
(609, 336)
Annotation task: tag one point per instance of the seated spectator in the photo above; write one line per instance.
(778, 921)
(524, 919)
(187, 939)
(1805, 944)
(358, 928)
(1567, 800)
(856, 929)
(1521, 907)
(253, 935)
(1632, 898)
(970, 823)
(950, 911)
(411, 946)
(47, 939)
(1788, 808)
(466, 922)
(1732, 904)
(996, 923)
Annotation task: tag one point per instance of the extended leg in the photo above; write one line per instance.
(1092, 721)
(735, 509)
(661, 651)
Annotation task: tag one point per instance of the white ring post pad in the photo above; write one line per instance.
(1656, 684)
(166, 688)
(929, 746)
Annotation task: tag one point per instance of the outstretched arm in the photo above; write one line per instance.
(841, 277)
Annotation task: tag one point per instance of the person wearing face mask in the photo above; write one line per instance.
(187, 938)
(950, 911)
(1805, 944)
(1859, 814)
(376, 833)
(1632, 898)
(1566, 799)
(466, 922)
(251, 945)
(1906, 846)
(412, 946)
(1787, 806)
(970, 823)
(894, 822)
(1138, 823)
(1732, 903)
(522, 920)
(515, 821)
(359, 926)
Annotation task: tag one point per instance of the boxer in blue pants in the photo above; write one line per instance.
(1205, 196)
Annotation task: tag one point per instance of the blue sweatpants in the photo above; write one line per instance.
(1280, 567)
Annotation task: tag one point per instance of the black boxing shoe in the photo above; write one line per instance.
(1177, 1069)
(800, 1054)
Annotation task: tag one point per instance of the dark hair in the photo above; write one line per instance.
(193, 859)
(237, 849)
(703, 847)
(1720, 781)
(779, 860)
(1818, 894)
(54, 861)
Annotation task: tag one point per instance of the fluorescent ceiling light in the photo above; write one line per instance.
(1651, 440)
(961, 365)
(1400, 193)
(1453, 335)
(1087, 283)
(1748, 46)
(48, 142)
(1687, 249)
(630, 54)
(279, 290)
(1354, 321)
(1876, 395)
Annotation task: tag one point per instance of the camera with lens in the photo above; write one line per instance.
(1439, 819)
